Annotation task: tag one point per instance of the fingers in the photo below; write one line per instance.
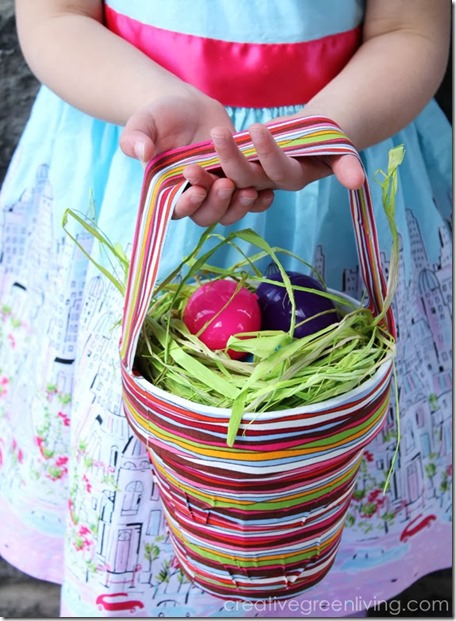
(274, 169)
(293, 174)
(219, 201)
(234, 164)
(218, 208)
(282, 171)
(199, 176)
(205, 205)
(245, 201)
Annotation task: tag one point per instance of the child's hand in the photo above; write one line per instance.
(183, 119)
(255, 181)
(246, 186)
(170, 122)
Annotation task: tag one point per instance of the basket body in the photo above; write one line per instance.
(262, 518)
(265, 517)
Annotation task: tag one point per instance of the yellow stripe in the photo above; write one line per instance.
(323, 489)
(246, 455)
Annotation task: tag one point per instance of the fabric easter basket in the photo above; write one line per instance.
(264, 517)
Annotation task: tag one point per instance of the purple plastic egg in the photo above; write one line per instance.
(204, 308)
(275, 305)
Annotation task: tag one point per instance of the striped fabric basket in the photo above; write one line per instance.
(264, 517)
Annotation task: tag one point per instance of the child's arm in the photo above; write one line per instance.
(389, 80)
(395, 72)
(70, 50)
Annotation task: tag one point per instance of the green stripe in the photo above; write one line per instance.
(255, 562)
(283, 503)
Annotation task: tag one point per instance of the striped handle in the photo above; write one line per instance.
(163, 180)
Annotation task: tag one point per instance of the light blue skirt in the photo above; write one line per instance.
(77, 497)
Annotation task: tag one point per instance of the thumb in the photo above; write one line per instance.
(136, 139)
(137, 144)
(349, 171)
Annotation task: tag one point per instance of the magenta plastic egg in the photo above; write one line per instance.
(241, 313)
(275, 305)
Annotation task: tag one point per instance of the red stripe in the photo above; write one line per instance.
(242, 74)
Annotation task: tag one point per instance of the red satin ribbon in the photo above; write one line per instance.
(252, 75)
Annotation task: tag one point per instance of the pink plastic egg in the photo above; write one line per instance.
(241, 313)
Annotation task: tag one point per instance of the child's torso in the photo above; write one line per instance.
(250, 53)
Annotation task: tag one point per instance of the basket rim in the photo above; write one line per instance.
(225, 413)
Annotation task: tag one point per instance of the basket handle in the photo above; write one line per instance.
(163, 181)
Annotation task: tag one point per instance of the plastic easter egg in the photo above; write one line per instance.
(275, 305)
(224, 313)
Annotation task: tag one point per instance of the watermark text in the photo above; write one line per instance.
(340, 607)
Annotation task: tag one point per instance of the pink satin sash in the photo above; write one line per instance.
(252, 75)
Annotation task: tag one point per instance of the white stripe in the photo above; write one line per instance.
(225, 413)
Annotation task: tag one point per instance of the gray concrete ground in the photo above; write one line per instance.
(22, 596)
